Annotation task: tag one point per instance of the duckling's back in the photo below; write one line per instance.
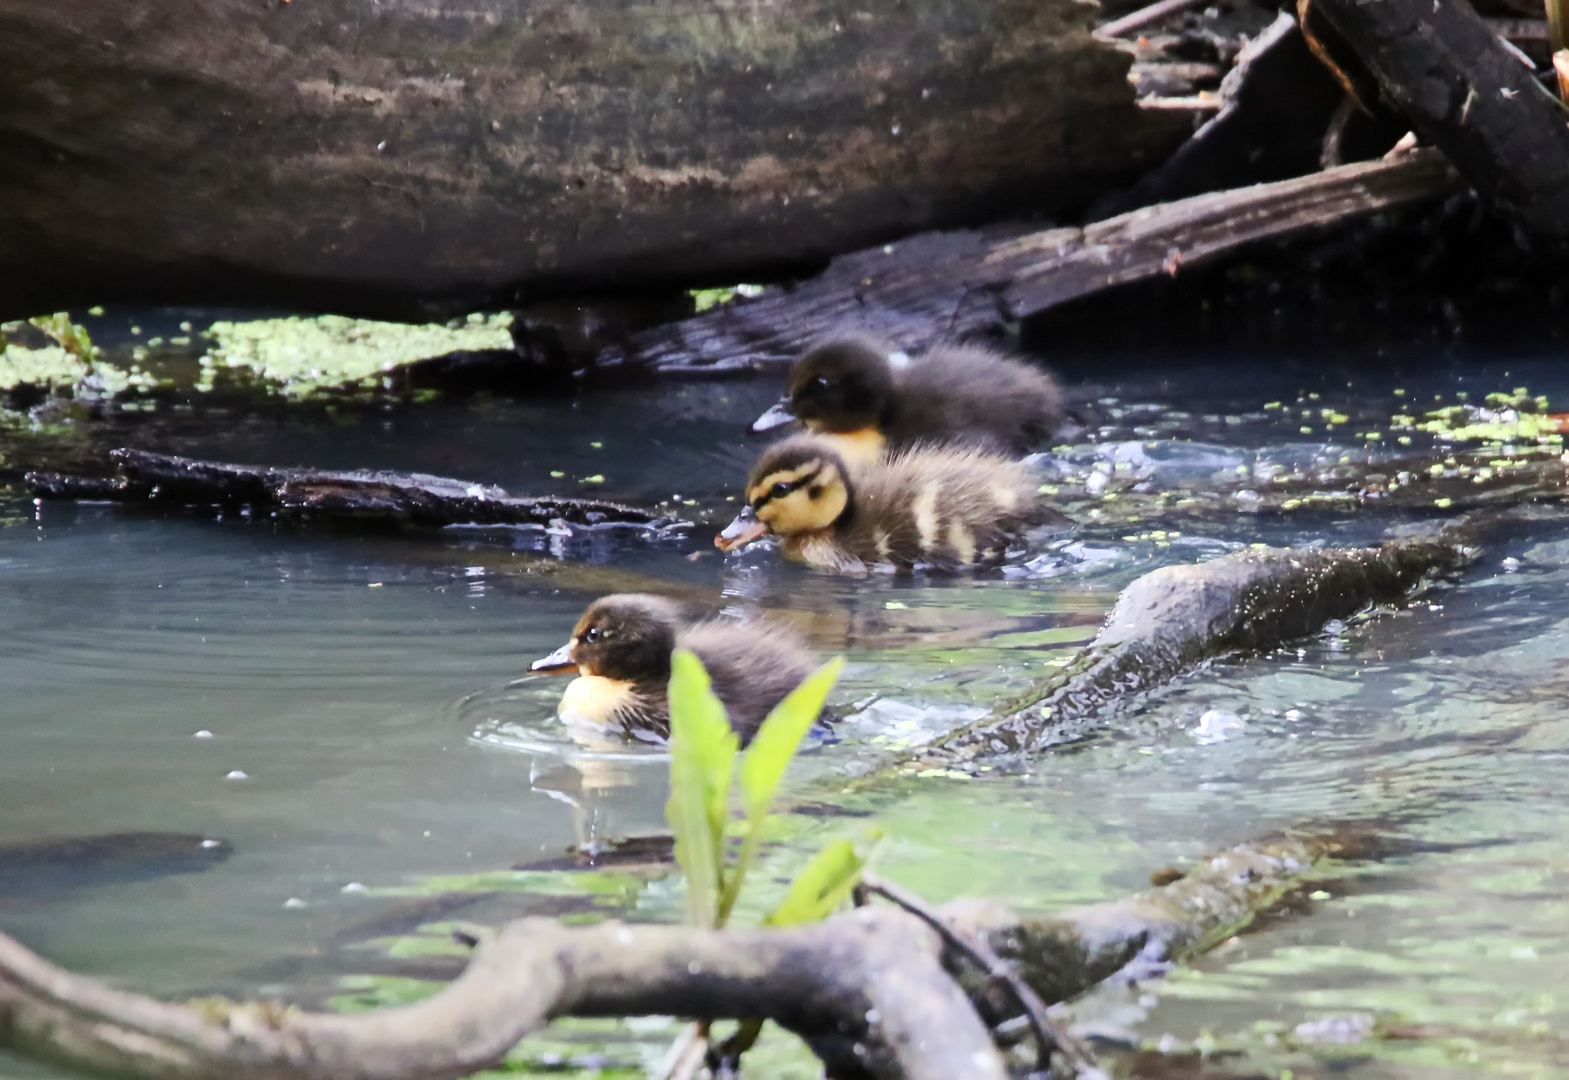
(948, 506)
(754, 663)
(974, 396)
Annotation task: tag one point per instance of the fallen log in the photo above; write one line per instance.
(417, 160)
(1174, 618)
(365, 498)
(942, 284)
(873, 992)
(1467, 92)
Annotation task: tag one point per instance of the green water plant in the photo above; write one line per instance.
(704, 750)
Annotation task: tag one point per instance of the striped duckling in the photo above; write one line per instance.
(941, 507)
(620, 650)
(851, 391)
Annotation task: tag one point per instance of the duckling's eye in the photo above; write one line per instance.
(591, 635)
(822, 382)
(780, 490)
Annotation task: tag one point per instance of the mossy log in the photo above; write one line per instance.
(874, 992)
(1174, 618)
(407, 160)
(363, 498)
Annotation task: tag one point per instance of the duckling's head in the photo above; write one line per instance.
(627, 637)
(800, 485)
(842, 385)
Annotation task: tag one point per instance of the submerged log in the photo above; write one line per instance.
(1176, 617)
(872, 991)
(386, 498)
(1466, 92)
(940, 284)
(405, 160)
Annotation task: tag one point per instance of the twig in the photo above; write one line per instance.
(1049, 1034)
(1144, 16)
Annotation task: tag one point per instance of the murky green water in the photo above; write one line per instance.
(396, 767)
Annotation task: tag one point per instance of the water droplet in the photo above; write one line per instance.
(202, 734)
(236, 774)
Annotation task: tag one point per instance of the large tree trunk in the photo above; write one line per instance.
(407, 157)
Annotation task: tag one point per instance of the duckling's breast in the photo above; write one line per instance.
(596, 699)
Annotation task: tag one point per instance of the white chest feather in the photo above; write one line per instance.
(595, 699)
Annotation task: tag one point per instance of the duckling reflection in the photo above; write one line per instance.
(847, 390)
(941, 507)
(621, 648)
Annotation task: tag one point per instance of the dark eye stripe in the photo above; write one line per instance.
(793, 486)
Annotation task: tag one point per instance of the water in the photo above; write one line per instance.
(397, 764)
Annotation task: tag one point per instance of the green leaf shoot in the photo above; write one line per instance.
(821, 886)
(765, 762)
(702, 762)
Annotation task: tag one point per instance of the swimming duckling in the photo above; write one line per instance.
(621, 648)
(849, 390)
(946, 507)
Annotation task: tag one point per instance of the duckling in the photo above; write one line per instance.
(849, 389)
(620, 650)
(946, 507)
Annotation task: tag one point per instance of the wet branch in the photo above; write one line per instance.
(366, 498)
(865, 990)
(876, 992)
(1174, 618)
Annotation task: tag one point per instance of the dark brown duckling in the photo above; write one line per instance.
(849, 389)
(620, 650)
(942, 507)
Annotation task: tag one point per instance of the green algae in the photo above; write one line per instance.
(299, 356)
(70, 363)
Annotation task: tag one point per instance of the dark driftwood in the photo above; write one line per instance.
(1467, 93)
(312, 495)
(870, 991)
(1178, 616)
(409, 159)
(939, 284)
(1276, 104)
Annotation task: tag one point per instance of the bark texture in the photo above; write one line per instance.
(1174, 618)
(364, 498)
(405, 158)
(936, 285)
(1466, 92)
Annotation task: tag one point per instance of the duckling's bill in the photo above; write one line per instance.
(746, 527)
(777, 416)
(559, 662)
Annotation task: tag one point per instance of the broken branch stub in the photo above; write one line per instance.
(866, 990)
(938, 285)
(307, 494)
(1464, 91)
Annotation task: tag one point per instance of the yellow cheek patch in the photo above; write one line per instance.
(595, 698)
(783, 476)
(799, 512)
(859, 448)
